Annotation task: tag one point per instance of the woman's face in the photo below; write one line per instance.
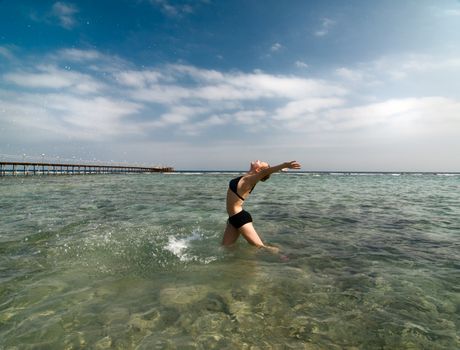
(259, 165)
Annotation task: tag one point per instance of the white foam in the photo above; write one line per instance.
(179, 246)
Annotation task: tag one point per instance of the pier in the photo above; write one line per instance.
(31, 168)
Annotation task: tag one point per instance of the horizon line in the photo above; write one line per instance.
(326, 171)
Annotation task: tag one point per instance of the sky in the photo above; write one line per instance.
(206, 84)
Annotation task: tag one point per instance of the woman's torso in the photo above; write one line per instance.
(238, 190)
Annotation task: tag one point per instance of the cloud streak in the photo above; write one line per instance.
(6, 53)
(51, 77)
(326, 25)
(65, 13)
(276, 47)
(61, 14)
(174, 10)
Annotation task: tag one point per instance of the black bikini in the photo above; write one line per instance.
(234, 186)
(240, 219)
(243, 217)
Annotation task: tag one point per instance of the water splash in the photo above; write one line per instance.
(180, 246)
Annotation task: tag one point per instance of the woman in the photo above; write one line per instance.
(240, 221)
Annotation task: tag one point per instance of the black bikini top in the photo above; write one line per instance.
(233, 185)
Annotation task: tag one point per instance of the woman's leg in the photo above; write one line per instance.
(250, 234)
(231, 234)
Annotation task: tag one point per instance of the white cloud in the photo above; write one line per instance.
(326, 25)
(6, 53)
(64, 115)
(409, 115)
(198, 74)
(424, 64)
(183, 102)
(350, 74)
(173, 118)
(173, 10)
(50, 77)
(186, 98)
(197, 127)
(161, 94)
(65, 13)
(99, 115)
(402, 66)
(178, 115)
(216, 86)
(452, 12)
(78, 55)
(394, 123)
(250, 116)
(301, 64)
(301, 108)
(443, 11)
(138, 79)
(276, 47)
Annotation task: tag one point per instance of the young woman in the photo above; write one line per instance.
(240, 221)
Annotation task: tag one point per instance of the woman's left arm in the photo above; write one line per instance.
(273, 169)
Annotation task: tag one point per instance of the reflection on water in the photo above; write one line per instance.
(134, 262)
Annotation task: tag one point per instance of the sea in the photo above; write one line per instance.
(367, 261)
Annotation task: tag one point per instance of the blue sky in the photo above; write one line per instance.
(336, 85)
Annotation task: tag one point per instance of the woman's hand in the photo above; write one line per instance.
(292, 165)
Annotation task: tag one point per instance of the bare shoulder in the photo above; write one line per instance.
(248, 181)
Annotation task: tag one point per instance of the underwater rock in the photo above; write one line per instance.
(301, 328)
(382, 284)
(446, 306)
(5, 316)
(239, 293)
(211, 341)
(254, 288)
(165, 342)
(145, 321)
(240, 309)
(168, 316)
(104, 343)
(186, 320)
(115, 315)
(75, 341)
(181, 296)
(213, 324)
(215, 303)
(103, 292)
(414, 336)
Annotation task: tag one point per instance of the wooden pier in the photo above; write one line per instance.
(30, 168)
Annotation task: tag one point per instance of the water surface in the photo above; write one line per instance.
(134, 262)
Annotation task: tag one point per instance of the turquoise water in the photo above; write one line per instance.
(134, 262)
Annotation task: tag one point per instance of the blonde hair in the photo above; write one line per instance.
(258, 165)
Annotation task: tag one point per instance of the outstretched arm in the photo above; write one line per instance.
(268, 171)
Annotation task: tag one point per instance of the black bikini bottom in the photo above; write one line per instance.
(240, 219)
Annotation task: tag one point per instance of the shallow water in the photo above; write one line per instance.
(134, 262)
